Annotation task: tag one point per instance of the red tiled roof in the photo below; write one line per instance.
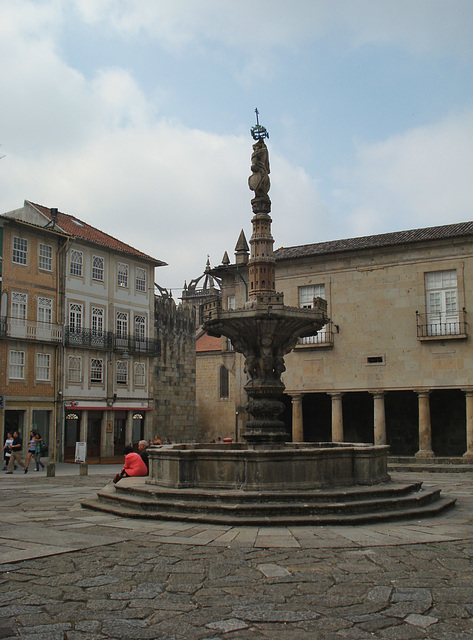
(79, 229)
(208, 343)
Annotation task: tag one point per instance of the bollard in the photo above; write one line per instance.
(83, 469)
(50, 470)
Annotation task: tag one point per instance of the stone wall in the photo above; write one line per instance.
(174, 372)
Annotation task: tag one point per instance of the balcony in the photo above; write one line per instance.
(108, 341)
(441, 326)
(323, 338)
(22, 329)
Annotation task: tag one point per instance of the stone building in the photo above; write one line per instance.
(174, 371)
(394, 364)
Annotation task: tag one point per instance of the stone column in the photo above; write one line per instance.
(469, 424)
(425, 429)
(129, 428)
(297, 419)
(337, 417)
(84, 419)
(379, 418)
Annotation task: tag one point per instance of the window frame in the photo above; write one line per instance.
(43, 367)
(20, 251)
(98, 369)
(98, 271)
(76, 266)
(46, 259)
(317, 291)
(41, 308)
(76, 320)
(121, 370)
(77, 371)
(123, 274)
(139, 378)
(141, 287)
(20, 365)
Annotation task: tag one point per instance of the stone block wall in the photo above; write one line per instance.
(174, 372)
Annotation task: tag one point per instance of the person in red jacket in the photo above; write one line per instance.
(134, 465)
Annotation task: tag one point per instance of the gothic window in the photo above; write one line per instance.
(97, 321)
(122, 372)
(75, 318)
(122, 325)
(18, 307)
(139, 374)
(45, 310)
(140, 328)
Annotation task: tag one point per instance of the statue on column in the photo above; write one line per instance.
(259, 180)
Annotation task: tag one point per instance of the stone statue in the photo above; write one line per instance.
(259, 180)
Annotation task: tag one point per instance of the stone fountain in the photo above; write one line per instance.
(266, 480)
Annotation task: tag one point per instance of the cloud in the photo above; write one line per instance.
(422, 175)
(420, 26)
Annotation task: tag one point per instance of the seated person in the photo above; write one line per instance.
(134, 465)
(142, 446)
(157, 440)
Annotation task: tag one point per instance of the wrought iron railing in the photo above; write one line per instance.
(109, 341)
(440, 325)
(29, 330)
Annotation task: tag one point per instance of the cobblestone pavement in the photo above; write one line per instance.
(67, 573)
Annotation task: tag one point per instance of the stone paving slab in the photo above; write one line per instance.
(82, 575)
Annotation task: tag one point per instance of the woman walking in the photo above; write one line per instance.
(37, 453)
(31, 449)
(7, 449)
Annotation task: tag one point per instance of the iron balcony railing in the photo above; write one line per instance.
(109, 341)
(440, 325)
(30, 330)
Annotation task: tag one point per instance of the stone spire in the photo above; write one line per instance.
(241, 249)
(262, 264)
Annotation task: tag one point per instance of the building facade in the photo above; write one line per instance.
(102, 320)
(394, 364)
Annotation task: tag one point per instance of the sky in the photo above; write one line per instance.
(135, 116)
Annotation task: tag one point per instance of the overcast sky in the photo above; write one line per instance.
(134, 115)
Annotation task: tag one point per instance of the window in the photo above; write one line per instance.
(45, 257)
(140, 279)
(20, 250)
(18, 308)
(76, 262)
(139, 374)
(74, 372)
(122, 274)
(306, 301)
(140, 328)
(75, 318)
(96, 370)
(224, 382)
(17, 365)
(43, 366)
(122, 372)
(45, 310)
(230, 302)
(122, 324)
(97, 268)
(97, 321)
(441, 303)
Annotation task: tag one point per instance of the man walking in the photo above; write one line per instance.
(15, 457)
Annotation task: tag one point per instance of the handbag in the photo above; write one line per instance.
(44, 449)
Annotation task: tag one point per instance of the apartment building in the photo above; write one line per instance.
(103, 313)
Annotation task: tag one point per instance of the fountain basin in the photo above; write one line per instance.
(294, 466)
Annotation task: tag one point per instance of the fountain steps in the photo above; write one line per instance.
(356, 505)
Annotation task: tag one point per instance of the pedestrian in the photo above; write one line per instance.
(31, 449)
(134, 465)
(15, 457)
(142, 446)
(157, 440)
(7, 449)
(38, 451)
